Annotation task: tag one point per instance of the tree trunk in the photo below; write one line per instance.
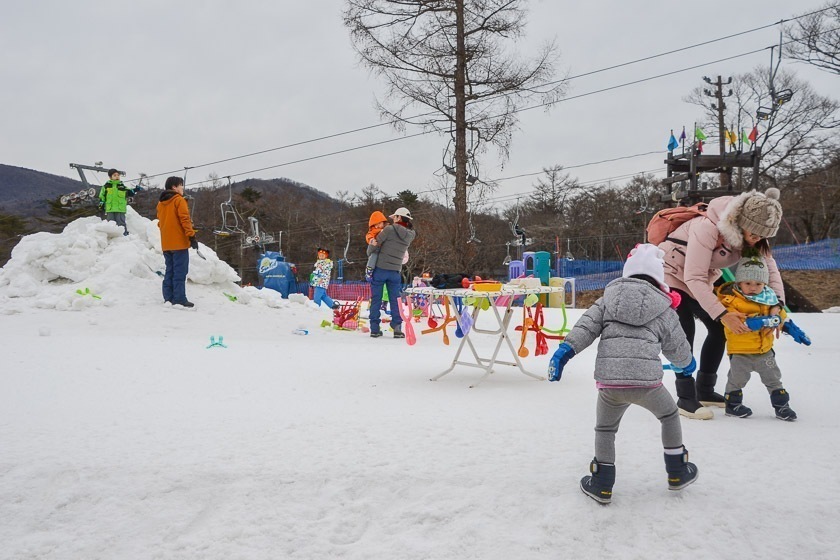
(461, 226)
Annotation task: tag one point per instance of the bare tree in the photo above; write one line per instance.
(449, 56)
(815, 38)
(550, 193)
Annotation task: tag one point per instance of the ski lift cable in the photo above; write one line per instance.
(540, 105)
(434, 130)
(605, 69)
(423, 133)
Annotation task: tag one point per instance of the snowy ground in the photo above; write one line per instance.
(123, 436)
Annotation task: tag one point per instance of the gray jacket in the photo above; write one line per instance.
(393, 242)
(636, 323)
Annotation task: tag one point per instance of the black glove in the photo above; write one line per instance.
(193, 242)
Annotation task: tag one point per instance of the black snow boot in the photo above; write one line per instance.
(780, 398)
(599, 485)
(398, 331)
(687, 401)
(734, 406)
(706, 390)
(681, 473)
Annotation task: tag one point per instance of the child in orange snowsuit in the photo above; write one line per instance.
(376, 223)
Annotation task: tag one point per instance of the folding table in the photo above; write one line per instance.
(504, 297)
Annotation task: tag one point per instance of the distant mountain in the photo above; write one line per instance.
(303, 193)
(25, 191)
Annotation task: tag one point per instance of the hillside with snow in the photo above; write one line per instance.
(122, 435)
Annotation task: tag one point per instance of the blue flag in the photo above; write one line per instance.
(672, 143)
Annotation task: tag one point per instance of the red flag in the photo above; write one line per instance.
(699, 146)
(753, 134)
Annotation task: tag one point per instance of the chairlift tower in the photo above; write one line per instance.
(88, 194)
(81, 168)
(685, 169)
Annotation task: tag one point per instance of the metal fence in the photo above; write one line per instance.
(596, 274)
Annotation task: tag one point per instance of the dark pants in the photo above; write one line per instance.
(175, 278)
(119, 218)
(715, 344)
(390, 278)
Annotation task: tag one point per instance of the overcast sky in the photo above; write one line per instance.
(156, 85)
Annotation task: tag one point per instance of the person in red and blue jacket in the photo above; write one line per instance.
(320, 279)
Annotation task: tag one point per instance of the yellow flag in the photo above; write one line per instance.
(731, 137)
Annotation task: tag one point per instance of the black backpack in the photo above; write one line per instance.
(448, 281)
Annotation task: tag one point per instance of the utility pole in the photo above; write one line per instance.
(720, 106)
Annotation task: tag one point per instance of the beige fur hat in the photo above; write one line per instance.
(760, 213)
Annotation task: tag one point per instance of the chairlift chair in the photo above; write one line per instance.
(256, 238)
(764, 113)
(783, 97)
(347, 246)
(230, 217)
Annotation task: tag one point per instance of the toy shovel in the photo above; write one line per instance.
(523, 350)
(466, 320)
(406, 313)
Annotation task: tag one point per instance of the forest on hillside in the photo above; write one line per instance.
(560, 215)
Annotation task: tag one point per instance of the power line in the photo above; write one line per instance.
(590, 73)
(423, 133)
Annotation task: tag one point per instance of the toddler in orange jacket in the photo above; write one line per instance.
(376, 223)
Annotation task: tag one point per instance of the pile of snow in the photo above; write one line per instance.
(91, 263)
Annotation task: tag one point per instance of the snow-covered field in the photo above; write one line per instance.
(122, 436)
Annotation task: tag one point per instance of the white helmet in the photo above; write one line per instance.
(402, 212)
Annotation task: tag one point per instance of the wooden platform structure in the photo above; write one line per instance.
(685, 168)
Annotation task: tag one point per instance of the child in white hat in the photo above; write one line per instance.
(635, 321)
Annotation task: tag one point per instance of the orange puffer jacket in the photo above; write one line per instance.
(376, 217)
(174, 222)
(753, 342)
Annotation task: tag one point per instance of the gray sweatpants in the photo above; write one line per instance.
(118, 217)
(741, 367)
(612, 403)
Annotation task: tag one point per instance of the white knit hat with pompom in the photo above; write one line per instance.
(646, 259)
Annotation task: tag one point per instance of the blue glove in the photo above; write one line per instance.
(561, 356)
(686, 371)
(796, 333)
(763, 321)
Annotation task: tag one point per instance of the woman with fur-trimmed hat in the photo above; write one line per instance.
(695, 253)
